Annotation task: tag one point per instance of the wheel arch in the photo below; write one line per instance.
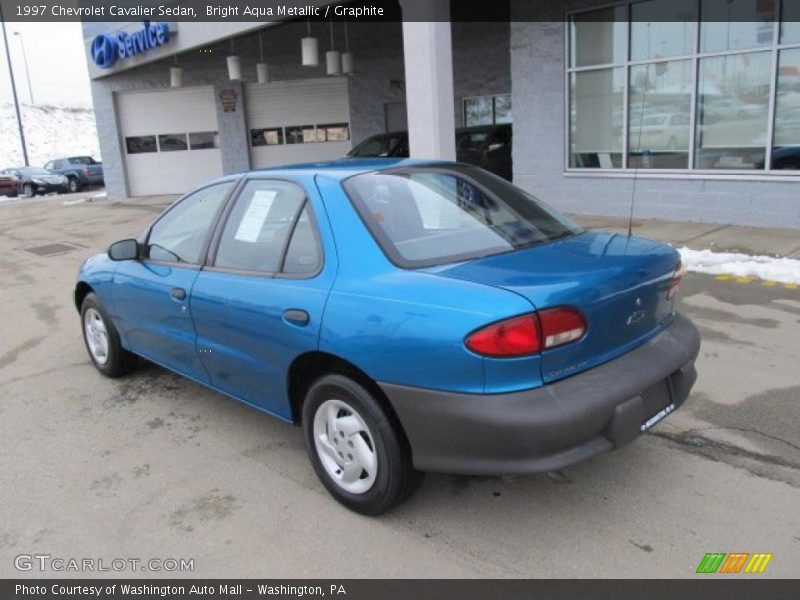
(82, 289)
(310, 366)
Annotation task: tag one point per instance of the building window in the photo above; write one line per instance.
(141, 144)
(301, 134)
(266, 137)
(697, 85)
(337, 132)
(172, 142)
(203, 140)
(487, 110)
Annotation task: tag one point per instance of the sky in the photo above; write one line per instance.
(56, 62)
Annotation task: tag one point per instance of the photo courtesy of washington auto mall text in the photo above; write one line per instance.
(400, 299)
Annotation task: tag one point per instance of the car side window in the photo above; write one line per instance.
(179, 236)
(303, 253)
(50, 165)
(257, 231)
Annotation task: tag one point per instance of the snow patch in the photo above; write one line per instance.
(50, 132)
(783, 270)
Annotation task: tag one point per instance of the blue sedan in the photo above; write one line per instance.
(410, 316)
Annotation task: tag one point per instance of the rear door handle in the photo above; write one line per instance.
(178, 293)
(296, 316)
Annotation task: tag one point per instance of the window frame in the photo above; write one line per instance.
(767, 173)
(143, 258)
(222, 219)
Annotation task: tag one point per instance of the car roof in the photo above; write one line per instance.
(347, 167)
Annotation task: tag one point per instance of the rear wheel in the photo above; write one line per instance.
(355, 450)
(102, 340)
(27, 190)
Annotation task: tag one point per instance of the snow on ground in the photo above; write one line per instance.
(783, 270)
(50, 132)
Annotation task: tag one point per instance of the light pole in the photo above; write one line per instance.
(25, 60)
(14, 88)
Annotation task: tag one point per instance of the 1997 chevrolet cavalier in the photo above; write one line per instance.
(410, 316)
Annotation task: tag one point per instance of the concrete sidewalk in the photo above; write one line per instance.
(705, 236)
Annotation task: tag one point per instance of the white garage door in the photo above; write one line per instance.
(170, 139)
(298, 120)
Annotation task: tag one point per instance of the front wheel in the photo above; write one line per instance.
(356, 451)
(28, 191)
(73, 185)
(102, 340)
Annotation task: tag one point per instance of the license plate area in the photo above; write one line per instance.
(657, 403)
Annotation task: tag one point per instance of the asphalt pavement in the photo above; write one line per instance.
(155, 466)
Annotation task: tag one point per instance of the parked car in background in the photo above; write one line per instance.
(411, 316)
(486, 146)
(35, 180)
(81, 171)
(666, 132)
(9, 184)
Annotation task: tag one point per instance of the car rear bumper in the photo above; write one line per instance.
(556, 425)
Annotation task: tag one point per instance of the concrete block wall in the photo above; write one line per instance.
(538, 100)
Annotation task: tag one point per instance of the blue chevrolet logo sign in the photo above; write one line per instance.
(107, 48)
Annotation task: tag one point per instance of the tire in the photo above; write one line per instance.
(102, 340)
(28, 191)
(360, 425)
(73, 186)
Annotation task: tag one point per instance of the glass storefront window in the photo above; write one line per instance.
(659, 115)
(596, 118)
(790, 22)
(661, 28)
(786, 147)
(598, 37)
(732, 112)
(502, 108)
(487, 110)
(736, 24)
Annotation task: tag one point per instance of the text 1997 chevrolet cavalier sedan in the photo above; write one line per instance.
(411, 316)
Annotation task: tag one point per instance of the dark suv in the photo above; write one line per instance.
(81, 171)
(487, 146)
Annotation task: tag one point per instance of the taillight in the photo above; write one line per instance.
(561, 326)
(512, 337)
(529, 333)
(675, 282)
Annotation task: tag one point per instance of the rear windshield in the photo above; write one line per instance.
(428, 216)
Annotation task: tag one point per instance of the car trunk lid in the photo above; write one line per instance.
(619, 283)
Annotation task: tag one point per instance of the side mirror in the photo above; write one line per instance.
(124, 250)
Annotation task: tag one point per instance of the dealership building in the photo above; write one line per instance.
(690, 109)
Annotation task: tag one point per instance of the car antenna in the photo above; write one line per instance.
(641, 156)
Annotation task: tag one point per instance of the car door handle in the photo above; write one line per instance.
(178, 293)
(296, 316)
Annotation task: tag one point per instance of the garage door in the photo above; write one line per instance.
(297, 121)
(170, 139)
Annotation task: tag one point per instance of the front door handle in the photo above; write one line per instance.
(296, 316)
(178, 293)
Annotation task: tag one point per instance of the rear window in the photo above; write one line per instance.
(81, 160)
(428, 216)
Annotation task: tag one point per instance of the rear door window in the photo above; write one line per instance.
(257, 233)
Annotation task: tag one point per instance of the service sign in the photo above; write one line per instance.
(108, 48)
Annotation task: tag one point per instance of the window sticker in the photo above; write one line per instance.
(253, 220)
